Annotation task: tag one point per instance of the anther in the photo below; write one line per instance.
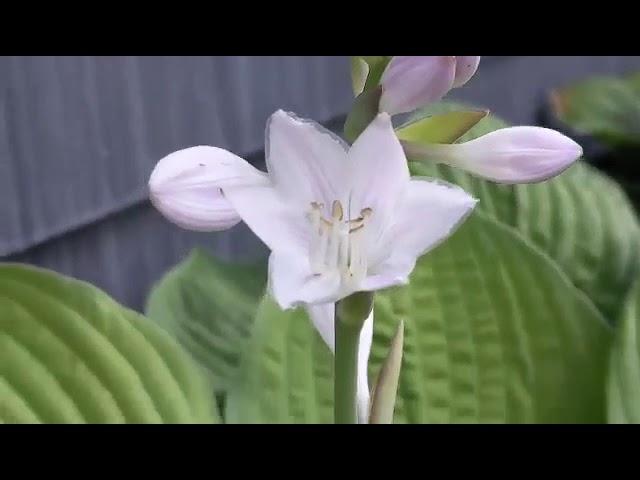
(336, 210)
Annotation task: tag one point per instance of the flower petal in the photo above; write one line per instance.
(305, 161)
(322, 316)
(379, 174)
(292, 282)
(411, 82)
(465, 69)
(430, 212)
(364, 349)
(280, 225)
(393, 271)
(323, 319)
(509, 155)
(185, 186)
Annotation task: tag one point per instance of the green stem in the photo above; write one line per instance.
(345, 371)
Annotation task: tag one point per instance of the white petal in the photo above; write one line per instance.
(323, 319)
(323, 316)
(364, 349)
(430, 212)
(391, 272)
(379, 174)
(292, 283)
(411, 82)
(508, 155)
(466, 67)
(278, 223)
(185, 187)
(305, 161)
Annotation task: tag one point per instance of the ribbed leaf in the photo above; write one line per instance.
(209, 306)
(494, 332)
(70, 354)
(606, 107)
(582, 219)
(286, 372)
(624, 370)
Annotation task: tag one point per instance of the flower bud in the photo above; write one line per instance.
(411, 82)
(386, 387)
(509, 155)
(465, 69)
(180, 188)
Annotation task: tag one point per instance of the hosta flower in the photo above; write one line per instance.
(337, 219)
(411, 82)
(510, 155)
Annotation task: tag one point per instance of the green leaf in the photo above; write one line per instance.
(606, 107)
(70, 354)
(623, 393)
(286, 372)
(582, 219)
(440, 128)
(209, 306)
(585, 222)
(494, 332)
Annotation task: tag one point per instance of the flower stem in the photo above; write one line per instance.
(346, 364)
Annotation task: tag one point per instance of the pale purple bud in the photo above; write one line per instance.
(184, 187)
(509, 155)
(411, 82)
(465, 69)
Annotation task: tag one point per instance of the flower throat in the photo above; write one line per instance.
(337, 243)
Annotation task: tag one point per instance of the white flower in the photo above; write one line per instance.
(511, 155)
(337, 219)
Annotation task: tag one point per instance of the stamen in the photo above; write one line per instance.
(336, 210)
(337, 244)
(326, 222)
(334, 246)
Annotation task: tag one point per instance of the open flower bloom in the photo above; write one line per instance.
(337, 219)
(511, 155)
(412, 82)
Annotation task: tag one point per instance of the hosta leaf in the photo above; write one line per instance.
(624, 370)
(70, 354)
(286, 372)
(209, 306)
(586, 223)
(606, 107)
(494, 332)
(582, 219)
